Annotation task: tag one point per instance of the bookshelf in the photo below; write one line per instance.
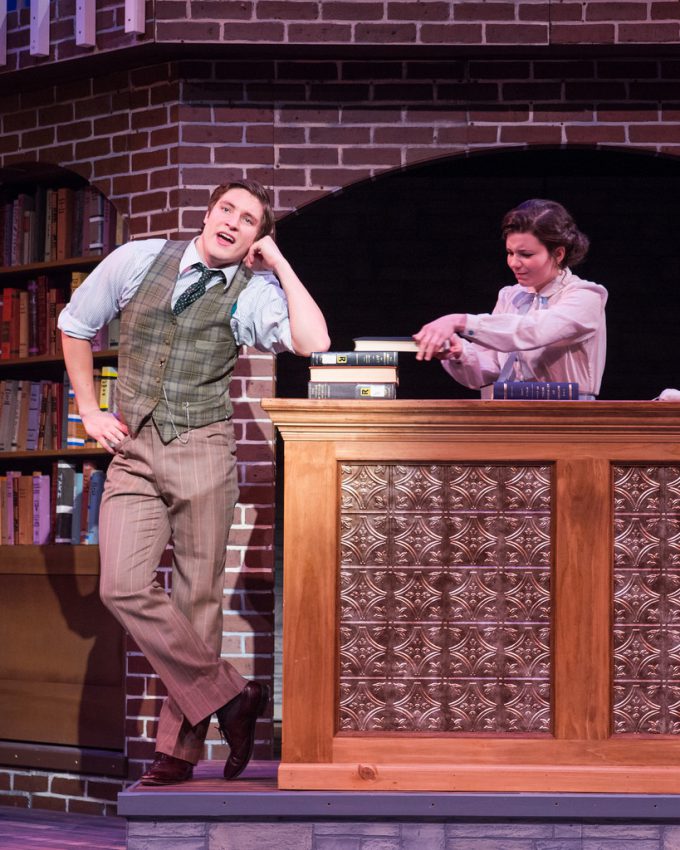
(38, 421)
(61, 652)
(53, 232)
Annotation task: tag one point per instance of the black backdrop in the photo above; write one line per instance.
(384, 256)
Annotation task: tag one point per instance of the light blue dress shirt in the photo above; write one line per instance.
(260, 319)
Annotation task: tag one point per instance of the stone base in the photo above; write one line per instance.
(253, 814)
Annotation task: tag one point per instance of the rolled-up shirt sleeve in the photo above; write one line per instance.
(261, 316)
(108, 288)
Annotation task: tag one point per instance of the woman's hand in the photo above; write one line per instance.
(438, 338)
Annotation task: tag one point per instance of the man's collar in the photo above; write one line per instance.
(191, 257)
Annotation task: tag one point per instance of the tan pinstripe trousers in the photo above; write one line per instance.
(187, 492)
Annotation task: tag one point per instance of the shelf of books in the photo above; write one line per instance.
(53, 223)
(54, 230)
(51, 472)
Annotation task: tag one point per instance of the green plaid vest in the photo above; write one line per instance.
(176, 368)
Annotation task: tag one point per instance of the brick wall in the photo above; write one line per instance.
(157, 138)
(461, 24)
(58, 792)
(309, 128)
(406, 22)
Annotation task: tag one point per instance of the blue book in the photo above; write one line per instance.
(77, 508)
(33, 425)
(536, 390)
(97, 479)
(65, 390)
(75, 433)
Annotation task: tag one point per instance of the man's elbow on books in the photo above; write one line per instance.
(320, 342)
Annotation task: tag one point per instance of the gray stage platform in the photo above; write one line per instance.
(256, 795)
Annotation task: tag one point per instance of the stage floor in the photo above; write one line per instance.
(33, 829)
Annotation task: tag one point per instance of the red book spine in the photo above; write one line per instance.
(33, 347)
(52, 296)
(5, 330)
(15, 326)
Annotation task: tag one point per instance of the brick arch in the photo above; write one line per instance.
(387, 254)
(29, 171)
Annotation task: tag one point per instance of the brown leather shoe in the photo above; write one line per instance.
(167, 770)
(237, 723)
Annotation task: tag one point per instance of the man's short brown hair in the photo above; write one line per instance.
(257, 190)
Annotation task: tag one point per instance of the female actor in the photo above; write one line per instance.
(549, 326)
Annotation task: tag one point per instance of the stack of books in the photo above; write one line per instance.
(370, 371)
(353, 374)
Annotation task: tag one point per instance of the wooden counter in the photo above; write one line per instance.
(481, 595)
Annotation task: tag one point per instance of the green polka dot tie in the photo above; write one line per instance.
(194, 292)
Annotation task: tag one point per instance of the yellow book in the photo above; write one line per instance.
(76, 279)
(109, 375)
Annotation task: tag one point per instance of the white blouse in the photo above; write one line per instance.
(562, 337)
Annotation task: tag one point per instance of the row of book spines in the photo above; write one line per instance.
(105, 381)
(31, 417)
(56, 224)
(43, 415)
(59, 508)
(28, 320)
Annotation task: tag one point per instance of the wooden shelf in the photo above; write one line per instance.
(51, 359)
(22, 558)
(55, 265)
(52, 453)
(18, 754)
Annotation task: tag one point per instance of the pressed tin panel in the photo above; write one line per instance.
(445, 598)
(647, 599)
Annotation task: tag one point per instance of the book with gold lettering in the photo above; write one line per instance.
(354, 358)
(319, 389)
(546, 390)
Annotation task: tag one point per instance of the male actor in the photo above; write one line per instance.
(185, 309)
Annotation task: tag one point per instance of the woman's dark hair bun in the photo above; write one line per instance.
(552, 225)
